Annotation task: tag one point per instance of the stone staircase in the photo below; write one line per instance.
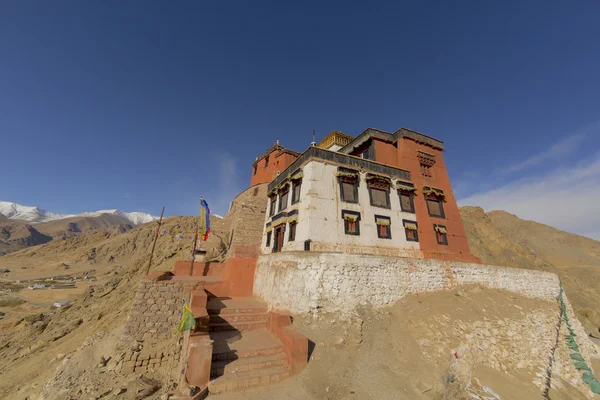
(245, 353)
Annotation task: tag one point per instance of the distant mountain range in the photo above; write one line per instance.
(32, 214)
(24, 226)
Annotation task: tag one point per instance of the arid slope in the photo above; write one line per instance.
(500, 238)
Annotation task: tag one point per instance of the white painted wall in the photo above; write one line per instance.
(320, 218)
(334, 147)
(305, 282)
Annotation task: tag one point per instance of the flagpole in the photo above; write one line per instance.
(193, 255)
(155, 238)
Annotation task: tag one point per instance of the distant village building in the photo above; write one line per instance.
(379, 193)
(36, 286)
(62, 304)
(62, 278)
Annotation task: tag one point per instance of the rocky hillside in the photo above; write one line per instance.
(32, 336)
(500, 238)
(16, 235)
(33, 340)
(36, 343)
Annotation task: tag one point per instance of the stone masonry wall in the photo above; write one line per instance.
(150, 344)
(306, 282)
(247, 218)
(155, 310)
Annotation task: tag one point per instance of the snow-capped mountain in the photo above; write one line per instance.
(135, 218)
(28, 213)
(36, 214)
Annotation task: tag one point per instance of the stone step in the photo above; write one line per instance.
(241, 317)
(242, 305)
(233, 345)
(246, 379)
(226, 367)
(237, 326)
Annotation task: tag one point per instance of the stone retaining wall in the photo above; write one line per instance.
(306, 282)
(155, 310)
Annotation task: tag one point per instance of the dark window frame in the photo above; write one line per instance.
(296, 185)
(255, 168)
(411, 197)
(266, 161)
(388, 227)
(416, 238)
(286, 193)
(355, 183)
(431, 197)
(268, 244)
(272, 205)
(280, 230)
(292, 233)
(387, 196)
(353, 213)
(444, 235)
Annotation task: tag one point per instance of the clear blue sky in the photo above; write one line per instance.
(135, 105)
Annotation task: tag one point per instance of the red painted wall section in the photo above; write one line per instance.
(266, 172)
(239, 273)
(295, 344)
(458, 247)
(199, 361)
(182, 268)
(385, 152)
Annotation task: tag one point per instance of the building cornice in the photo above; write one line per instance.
(273, 148)
(392, 137)
(315, 153)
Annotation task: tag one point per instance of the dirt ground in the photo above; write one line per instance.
(401, 352)
(386, 356)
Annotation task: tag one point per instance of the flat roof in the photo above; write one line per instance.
(271, 149)
(400, 133)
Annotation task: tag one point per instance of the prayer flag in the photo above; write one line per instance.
(187, 320)
(204, 226)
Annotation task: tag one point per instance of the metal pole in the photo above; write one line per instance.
(155, 238)
(193, 255)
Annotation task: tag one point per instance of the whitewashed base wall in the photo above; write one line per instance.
(306, 282)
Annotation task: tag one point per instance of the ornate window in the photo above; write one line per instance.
(279, 232)
(283, 197)
(379, 190)
(268, 239)
(351, 222)
(296, 186)
(272, 205)
(411, 231)
(426, 162)
(292, 235)
(435, 202)
(406, 193)
(440, 234)
(348, 180)
(384, 230)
